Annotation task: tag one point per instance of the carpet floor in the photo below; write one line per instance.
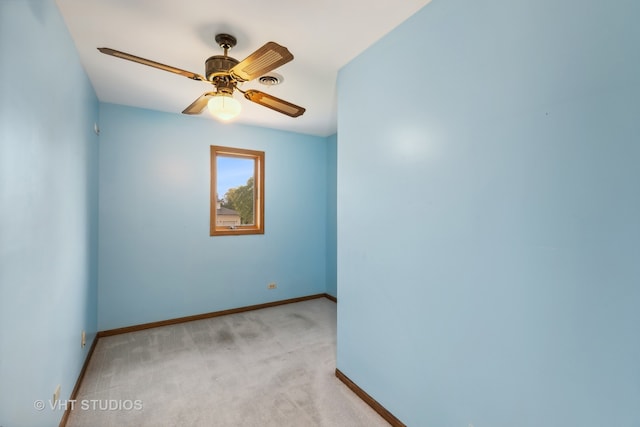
(268, 367)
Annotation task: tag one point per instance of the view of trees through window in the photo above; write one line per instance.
(236, 186)
(240, 199)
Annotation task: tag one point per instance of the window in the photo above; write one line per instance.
(237, 191)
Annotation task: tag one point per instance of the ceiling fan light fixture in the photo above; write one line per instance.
(224, 106)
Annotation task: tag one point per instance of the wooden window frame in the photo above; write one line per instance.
(258, 187)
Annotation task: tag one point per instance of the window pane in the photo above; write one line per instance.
(235, 191)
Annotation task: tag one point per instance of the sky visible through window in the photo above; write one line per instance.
(232, 172)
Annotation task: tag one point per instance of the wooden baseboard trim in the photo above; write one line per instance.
(384, 413)
(177, 320)
(76, 387)
(331, 297)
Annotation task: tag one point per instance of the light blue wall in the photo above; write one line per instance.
(332, 188)
(489, 215)
(157, 260)
(48, 212)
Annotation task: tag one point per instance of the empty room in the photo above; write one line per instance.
(337, 213)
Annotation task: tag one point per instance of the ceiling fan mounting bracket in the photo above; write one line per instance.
(225, 41)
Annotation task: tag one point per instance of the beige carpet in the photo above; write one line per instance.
(269, 367)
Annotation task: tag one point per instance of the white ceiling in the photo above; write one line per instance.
(323, 36)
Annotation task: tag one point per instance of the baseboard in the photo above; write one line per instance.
(384, 413)
(76, 387)
(177, 320)
(331, 297)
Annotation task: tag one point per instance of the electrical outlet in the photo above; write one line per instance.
(56, 395)
(272, 285)
(83, 339)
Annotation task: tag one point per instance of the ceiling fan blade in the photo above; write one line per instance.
(143, 61)
(267, 58)
(274, 103)
(199, 104)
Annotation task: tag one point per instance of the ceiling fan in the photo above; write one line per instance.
(225, 74)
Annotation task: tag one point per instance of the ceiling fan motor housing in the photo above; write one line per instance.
(218, 66)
